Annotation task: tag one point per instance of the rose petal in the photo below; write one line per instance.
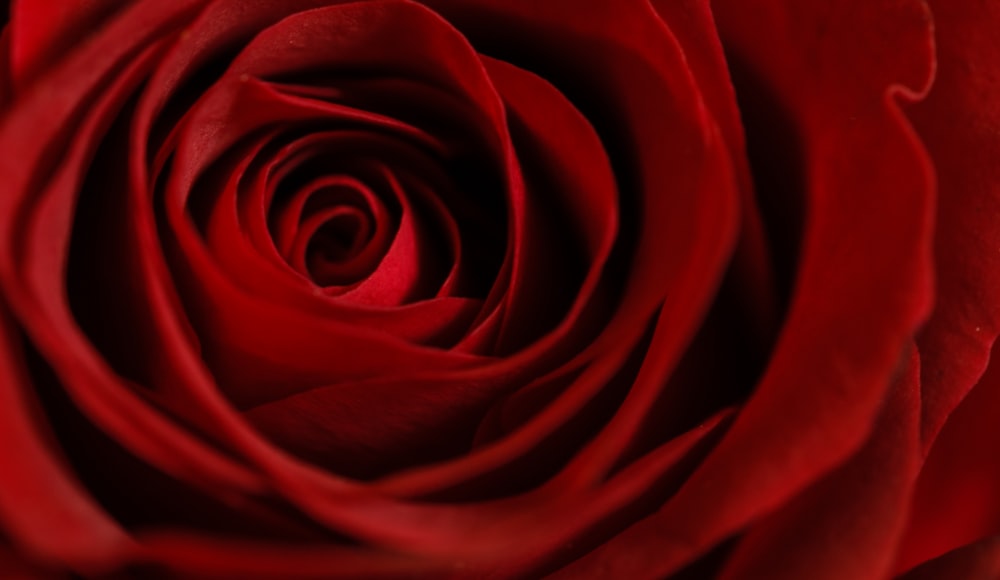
(33, 286)
(977, 561)
(855, 516)
(42, 506)
(42, 34)
(956, 501)
(624, 50)
(752, 273)
(6, 85)
(850, 317)
(576, 182)
(707, 225)
(199, 555)
(506, 539)
(654, 276)
(283, 347)
(960, 121)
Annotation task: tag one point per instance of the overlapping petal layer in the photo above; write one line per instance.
(395, 289)
(233, 176)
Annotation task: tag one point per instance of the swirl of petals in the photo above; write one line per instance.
(178, 407)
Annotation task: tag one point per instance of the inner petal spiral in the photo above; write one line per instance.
(333, 230)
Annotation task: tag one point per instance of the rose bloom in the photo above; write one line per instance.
(499, 289)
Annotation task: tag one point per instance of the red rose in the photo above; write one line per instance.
(499, 289)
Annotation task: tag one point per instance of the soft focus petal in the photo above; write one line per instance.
(960, 123)
(956, 499)
(855, 516)
(858, 298)
(42, 31)
(976, 561)
(42, 505)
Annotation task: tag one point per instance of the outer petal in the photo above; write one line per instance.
(43, 31)
(79, 550)
(956, 500)
(960, 122)
(978, 561)
(42, 507)
(5, 83)
(848, 524)
(863, 282)
(752, 278)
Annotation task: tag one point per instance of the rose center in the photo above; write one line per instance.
(333, 230)
(340, 238)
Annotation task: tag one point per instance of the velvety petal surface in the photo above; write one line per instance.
(833, 363)
(848, 524)
(498, 289)
(977, 561)
(960, 121)
(955, 502)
